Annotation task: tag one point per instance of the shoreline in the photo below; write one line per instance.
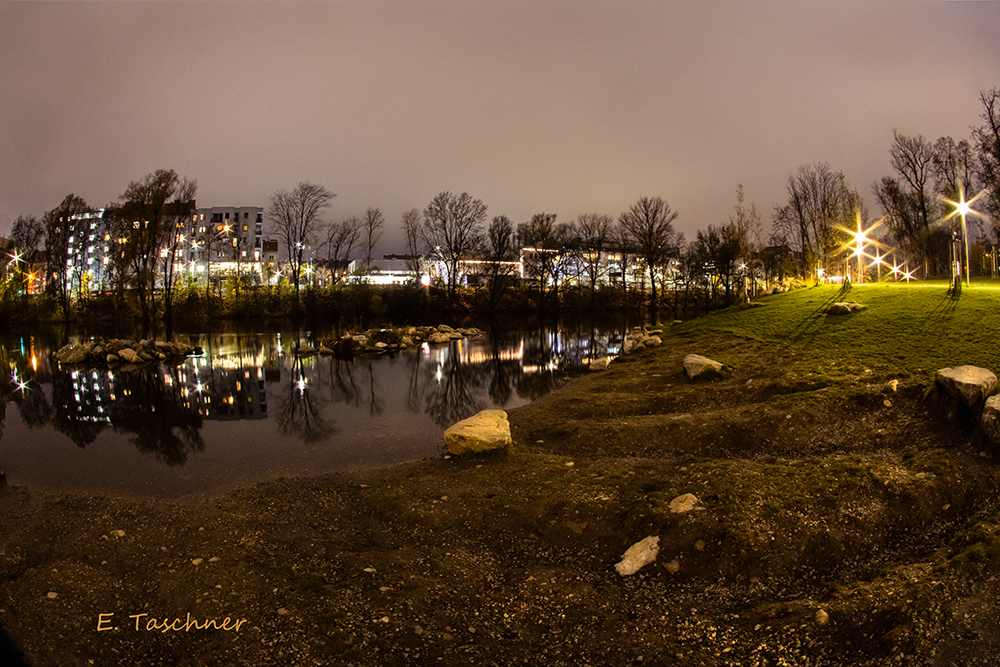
(511, 558)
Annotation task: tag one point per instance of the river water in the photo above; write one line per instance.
(248, 410)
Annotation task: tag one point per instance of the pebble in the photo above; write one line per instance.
(417, 630)
(53, 595)
(822, 618)
(197, 561)
(214, 559)
(282, 612)
(118, 533)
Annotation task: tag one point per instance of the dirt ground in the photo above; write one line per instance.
(846, 516)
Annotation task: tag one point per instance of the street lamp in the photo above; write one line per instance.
(963, 208)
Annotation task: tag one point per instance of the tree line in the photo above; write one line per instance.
(637, 250)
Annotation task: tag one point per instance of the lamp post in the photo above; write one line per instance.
(962, 207)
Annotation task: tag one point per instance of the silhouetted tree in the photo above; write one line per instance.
(594, 232)
(452, 231)
(650, 224)
(987, 140)
(57, 223)
(372, 223)
(544, 243)
(297, 216)
(501, 258)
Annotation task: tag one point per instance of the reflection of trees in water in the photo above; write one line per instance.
(153, 412)
(298, 413)
(375, 403)
(415, 392)
(454, 395)
(33, 405)
(341, 382)
(502, 372)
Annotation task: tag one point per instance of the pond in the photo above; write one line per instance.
(249, 410)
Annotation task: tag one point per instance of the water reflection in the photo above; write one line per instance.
(249, 409)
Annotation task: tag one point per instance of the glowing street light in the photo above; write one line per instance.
(963, 208)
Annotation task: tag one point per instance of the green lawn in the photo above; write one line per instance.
(910, 327)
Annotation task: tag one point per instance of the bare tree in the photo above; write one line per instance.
(341, 237)
(907, 199)
(954, 167)
(452, 230)
(594, 230)
(297, 215)
(818, 200)
(372, 223)
(650, 224)
(57, 223)
(987, 139)
(143, 220)
(501, 258)
(544, 243)
(411, 230)
(26, 233)
(182, 208)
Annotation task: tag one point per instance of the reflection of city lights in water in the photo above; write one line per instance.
(301, 384)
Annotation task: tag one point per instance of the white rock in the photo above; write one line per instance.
(697, 366)
(639, 555)
(487, 431)
(969, 384)
(684, 503)
(599, 364)
(129, 355)
(990, 421)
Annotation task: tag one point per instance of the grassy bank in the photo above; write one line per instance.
(848, 517)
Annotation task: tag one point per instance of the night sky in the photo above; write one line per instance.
(566, 107)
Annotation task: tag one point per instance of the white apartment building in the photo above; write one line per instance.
(224, 240)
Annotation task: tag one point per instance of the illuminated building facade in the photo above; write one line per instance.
(88, 246)
(224, 240)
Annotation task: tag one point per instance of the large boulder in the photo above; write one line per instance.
(990, 420)
(969, 384)
(697, 367)
(439, 338)
(484, 432)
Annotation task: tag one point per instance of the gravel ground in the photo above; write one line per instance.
(841, 523)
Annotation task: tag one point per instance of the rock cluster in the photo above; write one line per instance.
(640, 338)
(117, 351)
(378, 341)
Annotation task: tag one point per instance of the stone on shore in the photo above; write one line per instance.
(639, 555)
(697, 367)
(599, 364)
(484, 432)
(438, 338)
(129, 355)
(969, 384)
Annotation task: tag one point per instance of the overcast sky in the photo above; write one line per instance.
(566, 106)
